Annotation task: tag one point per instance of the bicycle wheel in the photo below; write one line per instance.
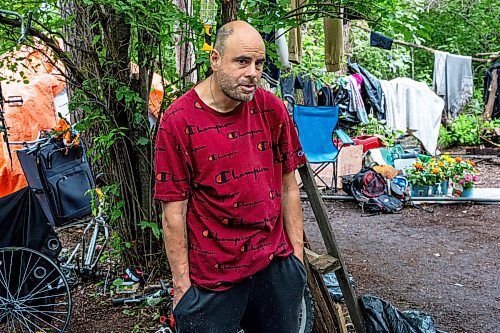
(34, 294)
(306, 316)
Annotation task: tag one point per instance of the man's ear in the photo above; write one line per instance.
(215, 59)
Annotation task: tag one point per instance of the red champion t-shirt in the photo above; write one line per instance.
(230, 167)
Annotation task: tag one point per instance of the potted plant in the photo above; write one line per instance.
(434, 170)
(464, 178)
(446, 163)
(420, 178)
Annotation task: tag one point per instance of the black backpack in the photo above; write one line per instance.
(369, 188)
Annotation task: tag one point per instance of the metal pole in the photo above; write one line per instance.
(425, 199)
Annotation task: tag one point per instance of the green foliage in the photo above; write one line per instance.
(379, 128)
(464, 131)
(157, 232)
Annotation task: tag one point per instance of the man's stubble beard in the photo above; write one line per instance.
(229, 87)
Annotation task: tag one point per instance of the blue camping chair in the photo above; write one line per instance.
(320, 137)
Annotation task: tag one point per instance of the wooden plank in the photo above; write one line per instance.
(339, 313)
(321, 215)
(323, 263)
(325, 320)
(488, 108)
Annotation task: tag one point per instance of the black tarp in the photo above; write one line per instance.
(22, 221)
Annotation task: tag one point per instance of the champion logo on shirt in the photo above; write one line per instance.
(239, 204)
(237, 134)
(197, 105)
(273, 194)
(171, 113)
(218, 156)
(254, 247)
(226, 176)
(265, 145)
(228, 267)
(169, 177)
(195, 129)
(258, 111)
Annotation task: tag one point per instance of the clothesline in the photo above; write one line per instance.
(425, 48)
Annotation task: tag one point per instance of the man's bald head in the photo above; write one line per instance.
(234, 29)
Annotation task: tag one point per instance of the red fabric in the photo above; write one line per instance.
(230, 166)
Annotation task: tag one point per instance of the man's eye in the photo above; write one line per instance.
(242, 61)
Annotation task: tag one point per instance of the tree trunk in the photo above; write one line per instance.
(184, 50)
(125, 158)
(229, 10)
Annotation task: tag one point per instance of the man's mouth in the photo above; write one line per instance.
(248, 87)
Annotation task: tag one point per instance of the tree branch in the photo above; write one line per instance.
(49, 42)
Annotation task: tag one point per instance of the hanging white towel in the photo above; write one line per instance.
(413, 107)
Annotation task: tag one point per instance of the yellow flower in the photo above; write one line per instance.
(441, 163)
(436, 170)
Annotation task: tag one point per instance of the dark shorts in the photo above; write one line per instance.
(268, 301)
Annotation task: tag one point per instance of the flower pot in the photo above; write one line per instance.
(468, 193)
(420, 190)
(436, 189)
(445, 184)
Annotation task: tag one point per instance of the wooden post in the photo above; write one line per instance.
(321, 215)
(488, 109)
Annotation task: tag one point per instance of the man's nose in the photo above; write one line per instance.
(251, 71)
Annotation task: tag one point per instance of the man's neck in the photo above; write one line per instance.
(214, 97)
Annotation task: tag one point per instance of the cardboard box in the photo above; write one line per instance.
(349, 161)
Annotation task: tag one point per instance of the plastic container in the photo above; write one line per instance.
(368, 142)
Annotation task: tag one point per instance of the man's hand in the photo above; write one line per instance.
(292, 214)
(179, 290)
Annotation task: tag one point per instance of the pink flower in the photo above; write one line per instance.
(475, 178)
(467, 177)
(461, 182)
(456, 176)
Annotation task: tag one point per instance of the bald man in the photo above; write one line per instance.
(226, 153)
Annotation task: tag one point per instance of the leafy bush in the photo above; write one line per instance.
(463, 131)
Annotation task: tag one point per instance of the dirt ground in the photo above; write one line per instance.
(443, 260)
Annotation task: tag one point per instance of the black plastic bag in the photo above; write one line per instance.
(333, 286)
(382, 317)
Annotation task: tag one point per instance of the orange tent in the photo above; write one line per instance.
(38, 111)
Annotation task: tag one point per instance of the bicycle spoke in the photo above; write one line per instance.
(32, 313)
(42, 290)
(38, 328)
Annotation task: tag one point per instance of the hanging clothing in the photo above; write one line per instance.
(334, 43)
(282, 50)
(302, 81)
(271, 72)
(380, 41)
(325, 96)
(295, 36)
(372, 88)
(488, 80)
(454, 82)
(414, 108)
(355, 100)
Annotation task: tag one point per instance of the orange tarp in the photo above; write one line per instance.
(38, 111)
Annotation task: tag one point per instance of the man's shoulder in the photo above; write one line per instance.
(181, 107)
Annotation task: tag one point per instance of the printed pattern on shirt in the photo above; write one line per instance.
(230, 169)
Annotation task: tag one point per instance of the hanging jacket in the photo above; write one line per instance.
(372, 88)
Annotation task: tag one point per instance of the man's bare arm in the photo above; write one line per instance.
(176, 245)
(292, 214)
